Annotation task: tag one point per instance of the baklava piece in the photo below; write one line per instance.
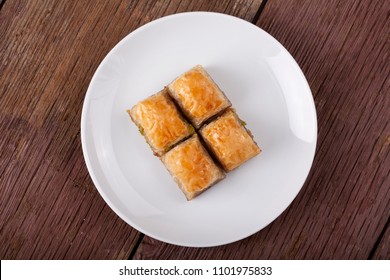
(160, 122)
(192, 167)
(198, 96)
(229, 140)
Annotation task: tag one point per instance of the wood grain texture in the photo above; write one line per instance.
(48, 53)
(343, 49)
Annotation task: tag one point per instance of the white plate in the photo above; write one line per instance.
(264, 84)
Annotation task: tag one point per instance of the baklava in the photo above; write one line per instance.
(198, 96)
(229, 141)
(160, 122)
(192, 167)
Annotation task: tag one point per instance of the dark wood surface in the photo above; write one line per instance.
(49, 207)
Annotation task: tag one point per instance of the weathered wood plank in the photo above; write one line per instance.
(343, 49)
(51, 209)
(48, 53)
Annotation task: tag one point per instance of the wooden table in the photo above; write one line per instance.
(49, 207)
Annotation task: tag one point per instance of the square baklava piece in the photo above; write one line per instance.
(192, 168)
(229, 140)
(198, 96)
(159, 120)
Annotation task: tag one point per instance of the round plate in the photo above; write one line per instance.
(264, 84)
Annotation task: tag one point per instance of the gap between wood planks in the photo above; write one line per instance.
(259, 11)
(139, 241)
(141, 236)
(1, 4)
(378, 241)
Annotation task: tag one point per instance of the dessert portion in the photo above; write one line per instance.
(229, 141)
(161, 123)
(192, 168)
(196, 158)
(198, 96)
